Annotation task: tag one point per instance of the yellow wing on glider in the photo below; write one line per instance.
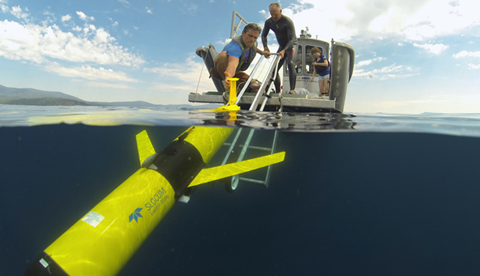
(219, 172)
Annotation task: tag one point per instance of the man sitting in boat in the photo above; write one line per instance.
(237, 56)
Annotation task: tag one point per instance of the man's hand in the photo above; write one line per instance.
(281, 53)
(266, 52)
(227, 82)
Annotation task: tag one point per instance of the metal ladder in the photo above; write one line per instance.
(236, 146)
(262, 96)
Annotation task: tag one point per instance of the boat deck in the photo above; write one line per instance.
(306, 103)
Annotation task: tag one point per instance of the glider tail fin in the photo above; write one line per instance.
(145, 147)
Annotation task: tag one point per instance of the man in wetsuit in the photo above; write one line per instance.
(285, 33)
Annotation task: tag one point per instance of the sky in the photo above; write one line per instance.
(412, 56)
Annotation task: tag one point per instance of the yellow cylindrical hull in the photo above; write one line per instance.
(207, 140)
(104, 240)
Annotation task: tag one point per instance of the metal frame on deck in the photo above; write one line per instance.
(236, 26)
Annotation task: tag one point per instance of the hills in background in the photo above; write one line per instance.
(30, 96)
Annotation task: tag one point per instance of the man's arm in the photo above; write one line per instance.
(313, 74)
(261, 52)
(266, 29)
(266, 52)
(290, 34)
(231, 67)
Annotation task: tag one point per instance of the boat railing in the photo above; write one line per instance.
(264, 91)
(250, 78)
(263, 94)
(268, 80)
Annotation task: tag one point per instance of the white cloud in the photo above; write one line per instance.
(17, 42)
(114, 23)
(392, 71)
(49, 17)
(467, 54)
(388, 72)
(418, 20)
(186, 73)
(442, 17)
(66, 18)
(368, 62)
(124, 2)
(88, 29)
(84, 17)
(40, 43)
(432, 48)
(181, 71)
(148, 10)
(89, 73)
(189, 8)
(298, 7)
(474, 66)
(19, 13)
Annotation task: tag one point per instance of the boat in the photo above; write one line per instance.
(306, 98)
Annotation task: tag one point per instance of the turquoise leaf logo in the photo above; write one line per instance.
(135, 215)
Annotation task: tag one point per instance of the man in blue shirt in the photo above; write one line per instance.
(237, 55)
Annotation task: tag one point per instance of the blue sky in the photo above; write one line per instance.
(412, 56)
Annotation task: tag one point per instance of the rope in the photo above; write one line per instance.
(199, 78)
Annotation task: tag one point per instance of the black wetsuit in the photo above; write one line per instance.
(285, 33)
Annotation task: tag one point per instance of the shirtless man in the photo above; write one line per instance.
(285, 33)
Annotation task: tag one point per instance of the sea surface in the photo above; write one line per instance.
(357, 194)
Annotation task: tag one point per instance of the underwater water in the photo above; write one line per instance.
(363, 194)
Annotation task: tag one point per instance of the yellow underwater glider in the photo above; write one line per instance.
(104, 240)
